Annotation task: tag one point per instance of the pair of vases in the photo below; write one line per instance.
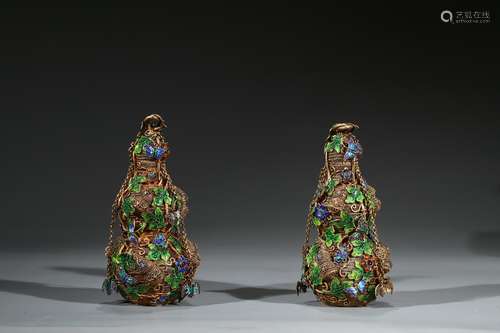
(153, 262)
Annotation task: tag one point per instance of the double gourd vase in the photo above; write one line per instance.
(152, 261)
(347, 264)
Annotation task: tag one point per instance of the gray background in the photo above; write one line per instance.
(249, 95)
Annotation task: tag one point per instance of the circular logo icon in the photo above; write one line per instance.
(446, 16)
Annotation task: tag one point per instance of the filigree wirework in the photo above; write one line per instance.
(153, 262)
(347, 264)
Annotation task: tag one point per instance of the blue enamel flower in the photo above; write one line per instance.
(131, 227)
(349, 155)
(362, 286)
(321, 212)
(351, 291)
(353, 149)
(182, 264)
(132, 238)
(159, 152)
(340, 256)
(150, 151)
(160, 240)
(162, 299)
(346, 175)
(351, 145)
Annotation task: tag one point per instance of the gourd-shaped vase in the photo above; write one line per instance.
(347, 264)
(153, 262)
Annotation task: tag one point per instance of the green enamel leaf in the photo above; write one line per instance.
(346, 222)
(154, 254)
(142, 226)
(128, 206)
(356, 274)
(158, 212)
(313, 252)
(337, 238)
(175, 243)
(157, 201)
(116, 259)
(337, 142)
(127, 261)
(350, 199)
(328, 146)
(314, 276)
(147, 217)
(336, 288)
(363, 298)
(141, 142)
(331, 237)
(347, 284)
(161, 197)
(357, 242)
(362, 247)
(135, 183)
(174, 279)
(164, 254)
(330, 185)
(348, 227)
(157, 252)
(354, 195)
(154, 221)
(135, 291)
(316, 221)
(368, 247)
(359, 196)
(357, 252)
(345, 217)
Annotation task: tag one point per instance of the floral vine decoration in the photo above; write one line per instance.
(135, 183)
(343, 264)
(334, 144)
(354, 195)
(145, 145)
(154, 220)
(153, 262)
(158, 248)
